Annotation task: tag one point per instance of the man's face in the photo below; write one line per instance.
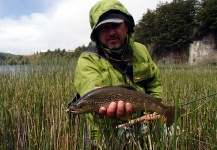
(113, 35)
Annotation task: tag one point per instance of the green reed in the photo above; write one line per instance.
(34, 101)
(198, 125)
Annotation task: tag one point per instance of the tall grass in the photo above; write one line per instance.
(33, 113)
(198, 127)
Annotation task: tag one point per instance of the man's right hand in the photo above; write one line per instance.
(117, 110)
(114, 109)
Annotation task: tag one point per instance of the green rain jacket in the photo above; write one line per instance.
(92, 70)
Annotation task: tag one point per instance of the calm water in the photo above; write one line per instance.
(17, 69)
(13, 69)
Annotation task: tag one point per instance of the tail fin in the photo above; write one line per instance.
(170, 115)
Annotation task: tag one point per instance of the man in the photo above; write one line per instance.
(115, 58)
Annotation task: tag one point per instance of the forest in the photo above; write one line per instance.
(173, 26)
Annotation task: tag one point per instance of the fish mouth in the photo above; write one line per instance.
(69, 110)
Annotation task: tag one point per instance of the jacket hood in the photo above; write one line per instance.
(105, 6)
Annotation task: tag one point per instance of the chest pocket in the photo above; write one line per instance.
(143, 73)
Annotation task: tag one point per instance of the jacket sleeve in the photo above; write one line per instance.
(87, 74)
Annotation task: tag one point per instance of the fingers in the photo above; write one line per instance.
(102, 110)
(118, 109)
(111, 111)
(96, 87)
(129, 108)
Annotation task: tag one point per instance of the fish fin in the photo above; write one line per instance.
(170, 115)
(127, 86)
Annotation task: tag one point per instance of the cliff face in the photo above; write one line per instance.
(203, 51)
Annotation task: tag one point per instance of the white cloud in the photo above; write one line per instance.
(63, 25)
(23, 35)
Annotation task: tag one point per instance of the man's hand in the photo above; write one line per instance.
(117, 110)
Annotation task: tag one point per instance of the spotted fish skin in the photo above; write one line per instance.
(102, 97)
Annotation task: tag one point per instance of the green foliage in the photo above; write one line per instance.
(178, 18)
(206, 18)
(10, 59)
(33, 116)
(144, 32)
(58, 56)
(172, 26)
(79, 50)
(50, 57)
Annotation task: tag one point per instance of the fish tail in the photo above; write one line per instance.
(170, 115)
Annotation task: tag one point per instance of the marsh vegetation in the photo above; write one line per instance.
(33, 104)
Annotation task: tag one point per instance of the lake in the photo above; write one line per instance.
(13, 69)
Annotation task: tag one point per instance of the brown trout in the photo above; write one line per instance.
(102, 97)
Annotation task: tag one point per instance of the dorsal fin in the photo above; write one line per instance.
(130, 87)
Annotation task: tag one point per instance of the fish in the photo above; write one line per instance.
(140, 101)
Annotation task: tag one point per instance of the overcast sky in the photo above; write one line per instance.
(27, 26)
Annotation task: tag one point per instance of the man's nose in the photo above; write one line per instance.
(112, 31)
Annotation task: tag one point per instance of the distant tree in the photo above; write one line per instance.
(79, 50)
(2, 57)
(47, 53)
(20, 58)
(168, 28)
(25, 61)
(12, 62)
(144, 32)
(206, 18)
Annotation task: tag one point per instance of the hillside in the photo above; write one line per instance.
(4, 56)
(10, 59)
(49, 57)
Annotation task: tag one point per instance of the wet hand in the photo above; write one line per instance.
(117, 110)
